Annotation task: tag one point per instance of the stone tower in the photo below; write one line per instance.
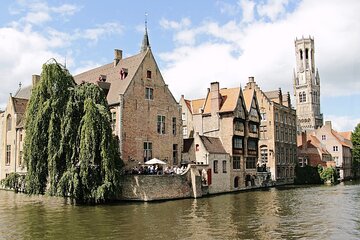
(307, 86)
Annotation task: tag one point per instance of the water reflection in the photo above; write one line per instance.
(315, 212)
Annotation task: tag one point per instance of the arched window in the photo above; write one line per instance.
(8, 123)
(301, 54)
(236, 182)
(307, 53)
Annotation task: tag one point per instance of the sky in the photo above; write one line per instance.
(194, 43)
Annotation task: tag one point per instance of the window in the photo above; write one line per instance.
(149, 93)
(253, 128)
(20, 158)
(183, 116)
(148, 74)
(215, 166)
(323, 137)
(161, 124)
(250, 163)
(185, 131)
(264, 155)
(236, 162)
(8, 154)
(302, 97)
(175, 153)
(174, 125)
(252, 145)
(263, 116)
(239, 126)
(238, 143)
(8, 123)
(263, 132)
(21, 136)
(147, 151)
(113, 120)
(335, 148)
(224, 166)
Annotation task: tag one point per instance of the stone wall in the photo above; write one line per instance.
(157, 187)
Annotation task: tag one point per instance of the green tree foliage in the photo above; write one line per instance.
(307, 175)
(355, 139)
(328, 174)
(69, 147)
(12, 181)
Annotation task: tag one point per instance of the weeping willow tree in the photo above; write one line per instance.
(69, 148)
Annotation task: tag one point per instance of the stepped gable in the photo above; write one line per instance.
(213, 145)
(113, 75)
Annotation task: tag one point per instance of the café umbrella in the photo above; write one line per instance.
(155, 161)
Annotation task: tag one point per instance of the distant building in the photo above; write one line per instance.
(229, 118)
(307, 86)
(325, 145)
(277, 139)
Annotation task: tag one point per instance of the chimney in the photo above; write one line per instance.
(117, 56)
(215, 98)
(328, 124)
(304, 140)
(35, 80)
(251, 79)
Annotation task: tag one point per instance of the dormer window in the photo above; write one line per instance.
(123, 73)
(148, 74)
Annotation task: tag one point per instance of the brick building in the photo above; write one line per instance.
(145, 115)
(233, 119)
(277, 139)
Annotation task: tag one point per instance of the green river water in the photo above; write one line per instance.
(289, 212)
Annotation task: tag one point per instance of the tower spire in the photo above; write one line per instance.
(145, 44)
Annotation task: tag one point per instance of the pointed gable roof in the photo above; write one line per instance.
(229, 99)
(343, 141)
(118, 85)
(24, 92)
(213, 145)
(19, 104)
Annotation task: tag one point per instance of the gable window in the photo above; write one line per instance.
(253, 128)
(8, 154)
(335, 148)
(161, 124)
(236, 162)
(238, 143)
(147, 151)
(323, 137)
(224, 166)
(215, 166)
(8, 123)
(149, 93)
(148, 74)
(250, 163)
(239, 126)
(174, 125)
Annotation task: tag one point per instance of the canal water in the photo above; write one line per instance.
(290, 212)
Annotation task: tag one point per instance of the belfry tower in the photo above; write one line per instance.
(307, 86)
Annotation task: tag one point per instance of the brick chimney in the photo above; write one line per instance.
(215, 98)
(304, 140)
(117, 56)
(35, 79)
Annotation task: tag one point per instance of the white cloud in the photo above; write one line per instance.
(248, 8)
(227, 8)
(100, 30)
(233, 51)
(272, 9)
(343, 123)
(166, 24)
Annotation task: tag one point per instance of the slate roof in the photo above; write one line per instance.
(213, 145)
(112, 73)
(229, 99)
(24, 92)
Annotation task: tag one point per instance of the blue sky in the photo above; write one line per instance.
(194, 43)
